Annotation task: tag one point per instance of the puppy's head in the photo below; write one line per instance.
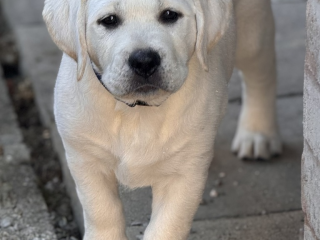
(139, 49)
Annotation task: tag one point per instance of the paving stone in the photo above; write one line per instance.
(40, 60)
(23, 212)
(23, 12)
(290, 49)
(22, 209)
(9, 132)
(16, 153)
(288, 1)
(276, 226)
(137, 205)
(290, 46)
(256, 187)
(281, 226)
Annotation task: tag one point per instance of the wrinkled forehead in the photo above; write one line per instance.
(136, 8)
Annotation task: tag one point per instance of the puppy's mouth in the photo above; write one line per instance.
(146, 95)
(146, 89)
(137, 103)
(142, 95)
(144, 100)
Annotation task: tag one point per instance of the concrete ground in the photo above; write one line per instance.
(256, 200)
(23, 212)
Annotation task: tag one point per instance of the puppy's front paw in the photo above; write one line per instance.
(254, 145)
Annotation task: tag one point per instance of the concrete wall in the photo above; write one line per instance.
(311, 154)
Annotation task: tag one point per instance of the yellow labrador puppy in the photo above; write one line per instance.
(140, 93)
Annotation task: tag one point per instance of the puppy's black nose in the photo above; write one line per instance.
(144, 62)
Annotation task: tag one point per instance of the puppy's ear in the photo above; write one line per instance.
(212, 18)
(66, 22)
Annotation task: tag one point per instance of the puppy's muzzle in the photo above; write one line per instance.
(144, 62)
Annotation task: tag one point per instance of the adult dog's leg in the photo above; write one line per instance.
(98, 194)
(257, 134)
(175, 202)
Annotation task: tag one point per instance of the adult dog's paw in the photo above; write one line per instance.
(250, 145)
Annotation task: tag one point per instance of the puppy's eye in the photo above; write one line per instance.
(111, 21)
(169, 16)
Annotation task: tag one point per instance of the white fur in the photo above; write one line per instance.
(168, 147)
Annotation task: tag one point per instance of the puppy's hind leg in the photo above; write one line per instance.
(257, 133)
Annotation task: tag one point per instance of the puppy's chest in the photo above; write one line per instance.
(144, 152)
(145, 147)
(142, 138)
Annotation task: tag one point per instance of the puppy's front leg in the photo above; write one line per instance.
(174, 204)
(98, 193)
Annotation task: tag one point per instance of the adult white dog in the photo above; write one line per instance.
(140, 93)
